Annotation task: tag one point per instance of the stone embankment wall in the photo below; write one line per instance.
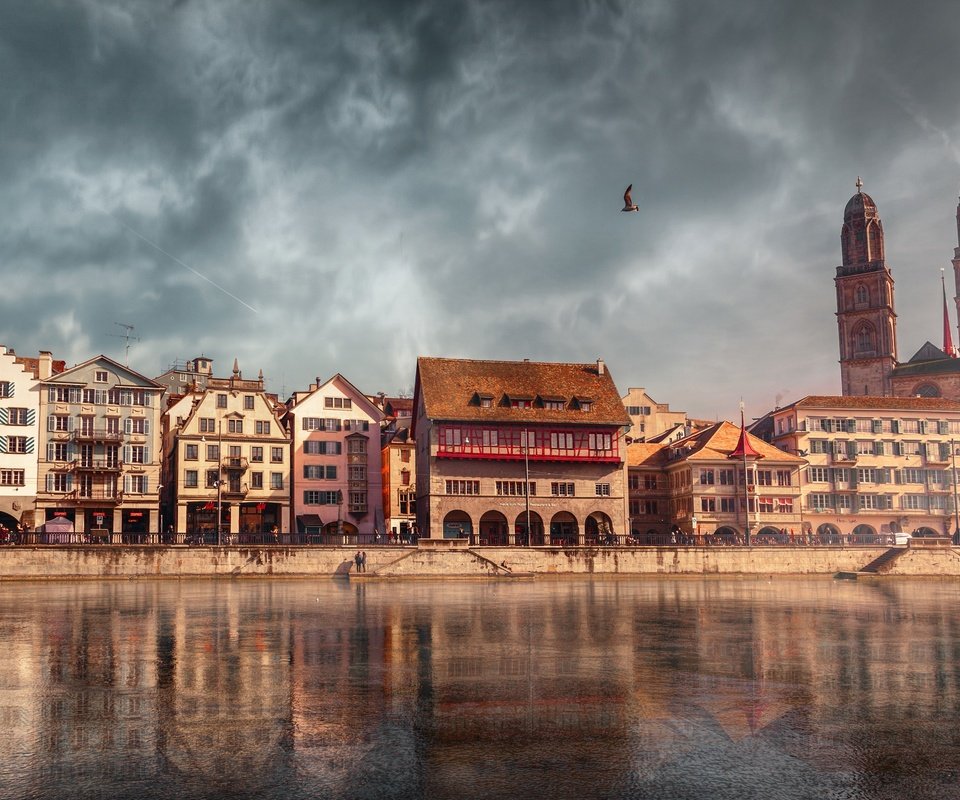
(183, 562)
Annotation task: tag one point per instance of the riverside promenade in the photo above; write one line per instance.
(457, 559)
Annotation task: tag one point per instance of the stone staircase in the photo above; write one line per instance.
(884, 562)
(430, 563)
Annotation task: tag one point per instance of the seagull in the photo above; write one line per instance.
(628, 204)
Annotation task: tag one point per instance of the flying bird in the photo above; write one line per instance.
(628, 204)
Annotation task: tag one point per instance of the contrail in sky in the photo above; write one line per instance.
(187, 266)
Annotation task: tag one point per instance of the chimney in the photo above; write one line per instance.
(46, 364)
(601, 367)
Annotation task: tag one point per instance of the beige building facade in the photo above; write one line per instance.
(227, 455)
(99, 454)
(875, 465)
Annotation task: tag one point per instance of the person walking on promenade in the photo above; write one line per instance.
(363, 561)
(357, 561)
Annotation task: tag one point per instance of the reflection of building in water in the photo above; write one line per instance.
(224, 685)
(81, 673)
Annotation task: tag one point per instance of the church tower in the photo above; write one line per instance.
(865, 317)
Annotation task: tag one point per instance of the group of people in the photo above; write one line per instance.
(15, 536)
(360, 559)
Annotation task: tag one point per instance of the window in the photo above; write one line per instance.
(234, 426)
(7, 390)
(95, 396)
(866, 475)
(138, 454)
(842, 502)
(276, 455)
(190, 479)
(137, 484)
(914, 501)
(764, 477)
(57, 394)
(451, 436)
(649, 481)
(319, 472)
(276, 480)
(221, 401)
(208, 425)
(191, 452)
(405, 455)
(708, 504)
(633, 411)
(784, 477)
(514, 488)
(817, 475)
(358, 502)
(408, 502)
(256, 453)
(337, 402)
(19, 444)
(213, 452)
(137, 425)
(11, 477)
(784, 505)
(59, 451)
(602, 490)
(262, 427)
(869, 501)
(358, 472)
(405, 477)
(463, 487)
(728, 505)
(766, 505)
(553, 405)
(586, 405)
(248, 402)
(706, 477)
(561, 441)
(357, 446)
(17, 416)
(562, 489)
(315, 498)
(60, 423)
(521, 403)
(911, 475)
(651, 507)
(212, 476)
(256, 480)
(820, 501)
(486, 402)
(726, 477)
(600, 441)
(100, 376)
(60, 482)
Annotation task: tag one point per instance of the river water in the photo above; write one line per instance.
(655, 688)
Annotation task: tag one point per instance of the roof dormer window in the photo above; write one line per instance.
(521, 402)
(583, 403)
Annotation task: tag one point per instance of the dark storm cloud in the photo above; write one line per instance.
(384, 180)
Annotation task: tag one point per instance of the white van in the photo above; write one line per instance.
(901, 539)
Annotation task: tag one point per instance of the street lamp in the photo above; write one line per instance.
(219, 479)
(956, 507)
(526, 479)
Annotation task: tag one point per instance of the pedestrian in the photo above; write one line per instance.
(363, 561)
(376, 536)
(275, 533)
(357, 561)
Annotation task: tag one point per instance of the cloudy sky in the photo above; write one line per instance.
(321, 187)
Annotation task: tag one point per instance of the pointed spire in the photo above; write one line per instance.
(744, 449)
(236, 368)
(948, 347)
(859, 185)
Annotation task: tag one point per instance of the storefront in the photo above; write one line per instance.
(136, 526)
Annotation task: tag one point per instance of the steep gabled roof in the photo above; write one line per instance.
(447, 388)
(135, 378)
(722, 439)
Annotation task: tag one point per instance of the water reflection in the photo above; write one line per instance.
(732, 688)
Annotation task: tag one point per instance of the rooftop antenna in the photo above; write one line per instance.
(127, 336)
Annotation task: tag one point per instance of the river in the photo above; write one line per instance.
(571, 688)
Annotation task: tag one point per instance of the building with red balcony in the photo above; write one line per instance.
(519, 452)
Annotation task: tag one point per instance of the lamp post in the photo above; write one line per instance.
(219, 479)
(956, 508)
(526, 479)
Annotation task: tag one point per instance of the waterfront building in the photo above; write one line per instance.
(867, 319)
(99, 452)
(20, 392)
(336, 486)
(519, 452)
(226, 452)
(875, 464)
(713, 482)
(399, 460)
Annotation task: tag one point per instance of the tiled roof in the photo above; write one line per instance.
(641, 454)
(721, 440)
(32, 365)
(449, 386)
(867, 403)
(939, 366)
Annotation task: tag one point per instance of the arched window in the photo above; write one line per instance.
(862, 295)
(927, 390)
(863, 339)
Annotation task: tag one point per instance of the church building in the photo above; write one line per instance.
(867, 319)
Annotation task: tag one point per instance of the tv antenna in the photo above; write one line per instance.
(127, 336)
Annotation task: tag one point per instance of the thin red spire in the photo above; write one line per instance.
(744, 449)
(948, 347)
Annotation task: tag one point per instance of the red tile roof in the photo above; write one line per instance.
(867, 403)
(33, 365)
(449, 387)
